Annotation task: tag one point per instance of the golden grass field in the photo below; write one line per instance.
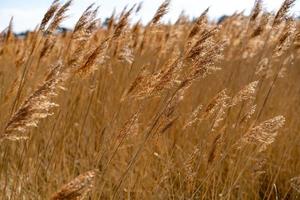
(190, 110)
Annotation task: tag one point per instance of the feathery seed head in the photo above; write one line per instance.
(77, 188)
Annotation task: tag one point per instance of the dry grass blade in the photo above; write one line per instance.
(214, 147)
(131, 127)
(190, 162)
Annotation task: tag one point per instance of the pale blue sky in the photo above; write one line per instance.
(28, 13)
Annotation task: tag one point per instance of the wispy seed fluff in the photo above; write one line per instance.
(246, 93)
(37, 106)
(77, 188)
(265, 133)
(295, 183)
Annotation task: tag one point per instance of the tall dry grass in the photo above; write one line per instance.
(190, 110)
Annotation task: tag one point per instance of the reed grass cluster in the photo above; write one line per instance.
(195, 109)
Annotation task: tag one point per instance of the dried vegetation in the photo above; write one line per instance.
(190, 110)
